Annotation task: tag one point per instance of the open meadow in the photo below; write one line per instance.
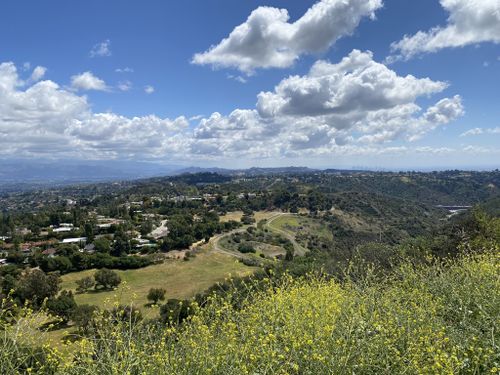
(181, 279)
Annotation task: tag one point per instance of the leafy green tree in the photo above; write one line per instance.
(126, 314)
(85, 284)
(247, 219)
(35, 286)
(59, 263)
(67, 249)
(107, 279)
(102, 245)
(146, 227)
(62, 305)
(89, 232)
(156, 294)
(121, 246)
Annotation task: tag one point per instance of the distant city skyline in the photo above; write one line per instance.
(394, 84)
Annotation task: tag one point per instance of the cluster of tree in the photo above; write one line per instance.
(470, 230)
(185, 229)
(83, 261)
(103, 279)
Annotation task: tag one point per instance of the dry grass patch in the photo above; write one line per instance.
(181, 279)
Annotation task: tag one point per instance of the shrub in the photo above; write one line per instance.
(83, 316)
(175, 311)
(246, 248)
(156, 294)
(107, 279)
(84, 284)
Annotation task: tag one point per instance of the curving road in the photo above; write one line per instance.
(298, 249)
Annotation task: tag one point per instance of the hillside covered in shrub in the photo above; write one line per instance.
(437, 315)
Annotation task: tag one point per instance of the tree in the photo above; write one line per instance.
(89, 232)
(175, 311)
(126, 314)
(106, 278)
(35, 286)
(156, 294)
(62, 305)
(246, 248)
(121, 245)
(247, 219)
(102, 245)
(83, 316)
(59, 263)
(85, 284)
(146, 227)
(289, 251)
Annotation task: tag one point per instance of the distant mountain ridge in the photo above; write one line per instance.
(253, 171)
(22, 171)
(62, 171)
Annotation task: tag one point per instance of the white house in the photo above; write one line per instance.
(75, 240)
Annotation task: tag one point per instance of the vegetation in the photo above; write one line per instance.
(107, 279)
(156, 294)
(182, 280)
(351, 272)
(433, 318)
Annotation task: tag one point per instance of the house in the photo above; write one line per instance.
(3, 262)
(50, 252)
(62, 229)
(90, 248)
(77, 240)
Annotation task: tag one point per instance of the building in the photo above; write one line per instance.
(50, 252)
(62, 229)
(77, 240)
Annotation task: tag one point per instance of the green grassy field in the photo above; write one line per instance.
(179, 278)
(294, 224)
(234, 215)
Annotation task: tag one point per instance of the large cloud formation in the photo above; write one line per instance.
(469, 22)
(46, 120)
(353, 106)
(357, 100)
(267, 40)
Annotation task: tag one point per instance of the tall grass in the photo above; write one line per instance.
(438, 319)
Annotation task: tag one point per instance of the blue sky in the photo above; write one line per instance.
(342, 119)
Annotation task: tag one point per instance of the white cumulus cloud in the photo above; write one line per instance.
(88, 81)
(46, 120)
(149, 89)
(469, 22)
(268, 40)
(356, 100)
(356, 106)
(38, 73)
